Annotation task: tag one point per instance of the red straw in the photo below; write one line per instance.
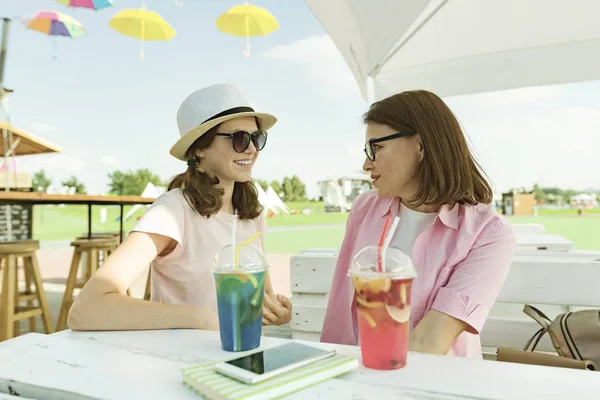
(380, 245)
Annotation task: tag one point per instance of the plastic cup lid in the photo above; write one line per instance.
(250, 258)
(397, 263)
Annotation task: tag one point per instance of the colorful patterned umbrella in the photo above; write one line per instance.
(91, 4)
(247, 20)
(54, 24)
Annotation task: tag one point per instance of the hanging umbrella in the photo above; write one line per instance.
(246, 21)
(91, 4)
(142, 24)
(54, 24)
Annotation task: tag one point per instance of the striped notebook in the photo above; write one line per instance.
(206, 382)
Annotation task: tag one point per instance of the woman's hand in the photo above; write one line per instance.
(277, 309)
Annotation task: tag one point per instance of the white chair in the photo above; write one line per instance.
(555, 282)
(551, 284)
(311, 274)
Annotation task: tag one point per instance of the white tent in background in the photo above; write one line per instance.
(150, 191)
(333, 196)
(455, 47)
(270, 201)
(263, 199)
(276, 200)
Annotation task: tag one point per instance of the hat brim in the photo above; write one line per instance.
(265, 122)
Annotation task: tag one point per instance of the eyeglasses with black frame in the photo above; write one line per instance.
(241, 140)
(370, 151)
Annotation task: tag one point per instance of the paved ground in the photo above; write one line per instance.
(55, 259)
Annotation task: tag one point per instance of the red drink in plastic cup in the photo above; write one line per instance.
(383, 306)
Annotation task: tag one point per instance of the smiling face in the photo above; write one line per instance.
(221, 160)
(396, 161)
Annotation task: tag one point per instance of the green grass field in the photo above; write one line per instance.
(64, 223)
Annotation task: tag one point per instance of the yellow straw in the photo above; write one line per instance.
(239, 246)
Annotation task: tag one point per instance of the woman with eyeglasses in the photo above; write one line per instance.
(424, 173)
(221, 138)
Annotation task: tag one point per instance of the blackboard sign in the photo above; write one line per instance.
(21, 218)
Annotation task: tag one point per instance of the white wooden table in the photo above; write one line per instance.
(146, 365)
(543, 241)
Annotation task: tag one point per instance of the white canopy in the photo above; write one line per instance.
(454, 47)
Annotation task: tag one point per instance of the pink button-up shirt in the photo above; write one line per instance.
(462, 261)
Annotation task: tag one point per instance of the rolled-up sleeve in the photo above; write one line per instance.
(476, 282)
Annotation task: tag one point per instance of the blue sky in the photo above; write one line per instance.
(109, 110)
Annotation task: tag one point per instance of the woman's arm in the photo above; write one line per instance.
(435, 333)
(464, 303)
(103, 304)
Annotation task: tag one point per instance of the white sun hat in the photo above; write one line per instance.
(207, 108)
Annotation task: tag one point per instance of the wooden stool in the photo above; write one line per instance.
(102, 235)
(11, 312)
(107, 235)
(92, 248)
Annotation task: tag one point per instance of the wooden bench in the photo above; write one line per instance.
(555, 283)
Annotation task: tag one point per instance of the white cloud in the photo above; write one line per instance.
(110, 160)
(322, 64)
(40, 128)
(79, 151)
(552, 148)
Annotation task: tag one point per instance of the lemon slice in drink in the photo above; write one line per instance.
(230, 283)
(374, 285)
(368, 317)
(241, 278)
(400, 315)
(369, 304)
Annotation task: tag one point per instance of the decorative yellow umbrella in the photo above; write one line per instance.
(142, 24)
(247, 20)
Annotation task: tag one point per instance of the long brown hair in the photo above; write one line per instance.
(203, 192)
(448, 173)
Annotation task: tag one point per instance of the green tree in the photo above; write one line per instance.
(74, 182)
(132, 183)
(538, 192)
(41, 181)
(262, 183)
(293, 189)
(276, 187)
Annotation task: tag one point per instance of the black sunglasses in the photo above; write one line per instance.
(370, 151)
(241, 140)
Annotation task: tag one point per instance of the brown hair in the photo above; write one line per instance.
(448, 173)
(203, 192)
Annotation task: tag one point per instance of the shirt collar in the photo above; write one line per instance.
(448, 214)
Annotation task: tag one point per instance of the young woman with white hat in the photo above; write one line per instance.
(221, 137)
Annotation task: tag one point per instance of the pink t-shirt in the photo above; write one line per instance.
(462, 261)
(183, 276)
